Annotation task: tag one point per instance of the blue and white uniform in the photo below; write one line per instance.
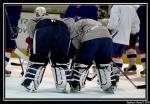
(93, 42)
(50, 41)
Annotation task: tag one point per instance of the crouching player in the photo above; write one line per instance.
(94, 43)
(50, 41)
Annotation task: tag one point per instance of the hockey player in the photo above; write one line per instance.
(50, 41)
(142, 37)
(131, 55)
(131, 52)
(12, 16)
(94, 43)
(81, 10)
(123, 21)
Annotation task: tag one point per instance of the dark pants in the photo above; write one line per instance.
(98, 50)
(118, 49)
(12, 17)
(142, 40)
(9, 44)
(52, 37)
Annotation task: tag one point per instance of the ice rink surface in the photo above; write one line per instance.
(125, 91)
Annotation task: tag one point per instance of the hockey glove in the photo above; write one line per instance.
(133, 39)
(14, 33)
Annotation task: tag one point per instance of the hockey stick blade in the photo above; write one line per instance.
(141, 87)
(137, 87)
(16, 64)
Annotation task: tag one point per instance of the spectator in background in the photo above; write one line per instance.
(130, 50)
(142, 37)
(12, 16)
(80, 11)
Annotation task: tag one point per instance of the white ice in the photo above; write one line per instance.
(92, 91)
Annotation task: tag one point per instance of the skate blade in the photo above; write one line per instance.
(143, 75)
(130, 73)
(62, 90)
(7, 75)
(31, 90)
(72, 90)
(110, 90)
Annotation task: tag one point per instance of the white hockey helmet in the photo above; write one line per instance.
(40, 11)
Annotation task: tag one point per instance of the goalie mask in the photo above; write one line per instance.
(40, 11)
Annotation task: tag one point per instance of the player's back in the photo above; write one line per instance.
(123, 20)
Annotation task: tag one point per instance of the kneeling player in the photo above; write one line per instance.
(94, 43)
(50, 43)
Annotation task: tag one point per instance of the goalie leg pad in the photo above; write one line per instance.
(115, 76)
(79, 74)
(61, 75)
(104, 75)
(34, 74)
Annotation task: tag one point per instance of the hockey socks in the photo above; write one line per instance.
(131, 55)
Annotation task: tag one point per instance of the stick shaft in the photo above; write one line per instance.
(124, 74)
(21, 65)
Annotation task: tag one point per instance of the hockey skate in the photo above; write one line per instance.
(108, 78)
(61, 75)
(110, 90)
(79, 74)
(7, 73)
(114, 80)
(130, 70)
(75, 87)
(142, 73)
(29, 88)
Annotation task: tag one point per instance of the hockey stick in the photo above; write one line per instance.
(18, 64)
(22, 73)
(13, 34)
(21, 55)
(15, 64)
(136, 86)
(8, 20)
